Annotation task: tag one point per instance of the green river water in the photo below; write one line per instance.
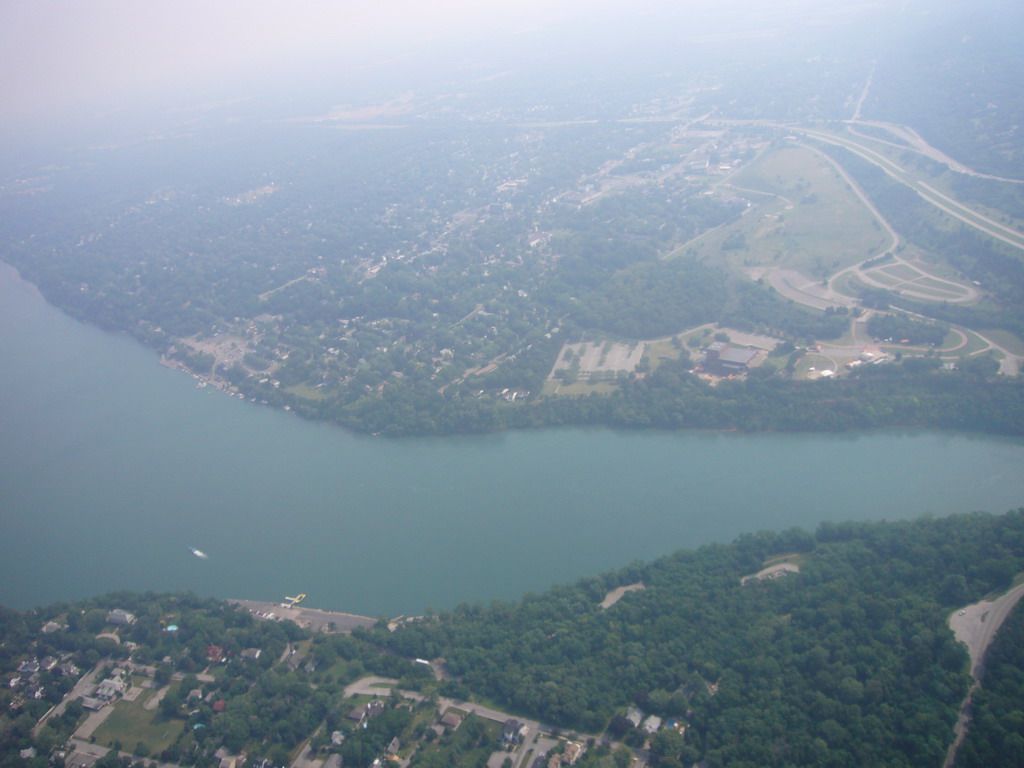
(111, 467)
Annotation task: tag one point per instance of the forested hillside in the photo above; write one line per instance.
(849, 662)
(779, 649)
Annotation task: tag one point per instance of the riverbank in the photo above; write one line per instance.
(312, 619)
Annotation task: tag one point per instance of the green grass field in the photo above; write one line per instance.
(974, 344)
(814, 224)
(658, 351)
(306, 391)
(935, 286)
(1006, 339)
(880, 276)
(899, 271)
(130, 723)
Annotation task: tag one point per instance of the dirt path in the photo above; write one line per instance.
(771, 572)
(975, 626)
(616, 594)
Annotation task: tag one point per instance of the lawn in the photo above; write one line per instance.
(585, 388)
(1006, 339)
(657, 351)
(815, 224)
(900, 271)
(818, 362)
(880, 276)
(130, 723)
(471, 745)
(944, 290)
(305, 391)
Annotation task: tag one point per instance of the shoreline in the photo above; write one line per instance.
(313, 619)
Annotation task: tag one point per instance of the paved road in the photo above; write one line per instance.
(919, 145)
(382, 686)
(92, 752)
(84, 684)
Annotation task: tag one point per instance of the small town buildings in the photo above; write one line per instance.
(635, 716)
(722, 358)
(251, 654)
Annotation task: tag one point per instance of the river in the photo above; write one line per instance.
(111, 467)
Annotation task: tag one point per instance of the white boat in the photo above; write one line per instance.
(198, 553)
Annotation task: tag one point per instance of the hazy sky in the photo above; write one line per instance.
(56, 52)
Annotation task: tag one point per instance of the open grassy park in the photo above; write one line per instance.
(804, 216)
(131, 723)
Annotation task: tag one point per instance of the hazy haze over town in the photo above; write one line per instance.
(63, 55)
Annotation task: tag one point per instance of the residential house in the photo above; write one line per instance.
(362, 713)
(513, 732)
(451, 719)
(652, 724)
(573, 752)
(110, 688)
(120, 618)
(91, 702)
